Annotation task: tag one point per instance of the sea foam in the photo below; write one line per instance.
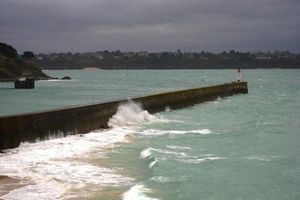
(155, 132)
(52, 166)
(128, 114)
(137, 192)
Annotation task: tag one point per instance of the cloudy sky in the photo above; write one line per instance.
(154, 25)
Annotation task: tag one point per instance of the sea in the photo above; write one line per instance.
(242, 147)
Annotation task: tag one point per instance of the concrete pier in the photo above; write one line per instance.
(15, 129)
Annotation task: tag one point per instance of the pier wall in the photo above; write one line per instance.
(29, 127)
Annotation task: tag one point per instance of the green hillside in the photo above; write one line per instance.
(13, 66)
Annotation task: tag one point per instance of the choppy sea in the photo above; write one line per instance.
(242, 147)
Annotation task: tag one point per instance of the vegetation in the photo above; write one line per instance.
(28, 55)
(13, 66)
(8, 51)
(169, 60)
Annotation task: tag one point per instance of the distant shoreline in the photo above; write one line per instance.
(169, 60)
(84, 69)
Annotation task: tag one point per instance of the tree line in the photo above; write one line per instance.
(10, 52)
(169, 60)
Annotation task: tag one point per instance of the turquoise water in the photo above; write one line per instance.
(102, 85)
(242, 147)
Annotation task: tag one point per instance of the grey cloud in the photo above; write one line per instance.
(86, 25)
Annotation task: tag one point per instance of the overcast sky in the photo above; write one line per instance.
(154, 25)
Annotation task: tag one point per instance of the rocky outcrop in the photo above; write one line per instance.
(12, 69)
(66, 78)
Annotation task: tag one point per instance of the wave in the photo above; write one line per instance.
(153, 163)
(149, 151)
(260, 158)
(137, 192)
(155, 132)
(147, 154)
(164, 179)
(53, 166)
(178, 147)
(45, 191)
(161, 179)
(130, 113)
(197, 160)
(156, 155)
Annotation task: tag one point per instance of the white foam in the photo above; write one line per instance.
(60, 160)
(173, 153)
(178, 147)
(155, 132)
(164, 179)
(146, 153)
(260, 158)
(137, 192)
(53, 162)
(45, 191)
(167, 109)
(200, 160)
(153, 163)
(161, 179)
(128, 114)
(156, 155)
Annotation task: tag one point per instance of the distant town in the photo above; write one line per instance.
(168, 60)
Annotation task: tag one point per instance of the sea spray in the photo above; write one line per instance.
(128, 114)
(58, 161)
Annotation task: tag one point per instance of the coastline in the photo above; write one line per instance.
(165, 69)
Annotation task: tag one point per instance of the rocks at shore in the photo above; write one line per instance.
(66, 78)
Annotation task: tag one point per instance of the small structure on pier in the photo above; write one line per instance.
(238, 75)
(24, 83)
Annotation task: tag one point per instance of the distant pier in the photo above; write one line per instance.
(15, 129)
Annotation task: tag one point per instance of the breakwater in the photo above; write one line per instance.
(15, 129)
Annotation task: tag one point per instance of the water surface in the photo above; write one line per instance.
(240, 147)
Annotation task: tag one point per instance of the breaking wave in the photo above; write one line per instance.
(147, 154)
(176, 153)
(53, 166)
(138, 192)
(155, 132)
(130, 113)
